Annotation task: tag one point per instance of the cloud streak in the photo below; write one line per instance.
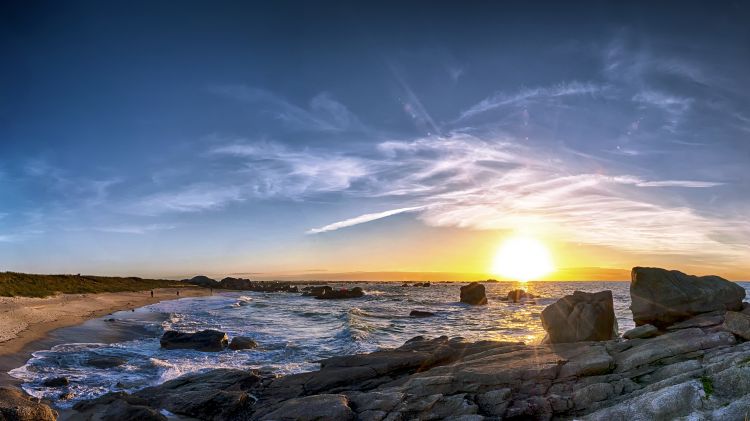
(363, 219)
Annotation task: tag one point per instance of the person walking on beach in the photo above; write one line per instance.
(178, 292)
(152, 293)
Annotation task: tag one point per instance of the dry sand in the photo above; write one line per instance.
(24, 320)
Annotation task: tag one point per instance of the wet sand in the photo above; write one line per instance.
(31, 324)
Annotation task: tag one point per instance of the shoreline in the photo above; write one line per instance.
(26, 323)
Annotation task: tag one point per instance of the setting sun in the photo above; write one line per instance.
(523, 259)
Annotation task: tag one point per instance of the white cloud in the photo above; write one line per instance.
(135, 229)
(465, 181)
(195, 198)
(363, 219)
(501, 99)
(325, 113)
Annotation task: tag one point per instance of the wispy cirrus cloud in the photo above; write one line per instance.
(323, 113)
(134, 229)
(502, 99)
(195, 198)
(363, 219)
(469, 182)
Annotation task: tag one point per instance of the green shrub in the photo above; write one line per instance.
(14, 284)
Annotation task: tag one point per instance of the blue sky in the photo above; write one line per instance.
(162, 139)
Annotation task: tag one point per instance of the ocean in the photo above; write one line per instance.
(293, 332)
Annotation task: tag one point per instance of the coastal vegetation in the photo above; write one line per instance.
(14, 284)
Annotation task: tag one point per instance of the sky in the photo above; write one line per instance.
(281, 138)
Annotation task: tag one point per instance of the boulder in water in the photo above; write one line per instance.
(518, 295)
(105, 362)
(581, 317)
(15, 406)
(421, 313)
(241, 342)
(206, 340)
(473, 294)
(662, 297)
(316, 290)
(337, 294)
(56, 382)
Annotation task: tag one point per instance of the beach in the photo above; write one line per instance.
(25, 320)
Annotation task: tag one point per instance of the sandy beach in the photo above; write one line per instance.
(24, 320)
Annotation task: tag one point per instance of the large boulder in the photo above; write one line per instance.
(518, 295)
(15, 406)
(236, 283)
(662, 297)
(241, 342)
(737, 323)
(581, 317)
(314, 408)
(473, 294)
(205, 340)
(203, 281)
(337, 294)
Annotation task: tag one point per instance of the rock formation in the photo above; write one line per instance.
(205, 340)
(15, 406)
(473, 294)
(518, 295)
(241, 342)
(581, 317)
(662, 297)
(421, 313)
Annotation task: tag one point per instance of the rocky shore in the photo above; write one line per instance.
(687, 359)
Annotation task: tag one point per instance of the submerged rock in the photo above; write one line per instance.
(105, 362)
(205, 340)
(663, 297)
(337, 294)
(56, 382)
(473, 294)
(581, 317)
(518, 295)
(15, 406)
(241, 342)
(642, 331)
(421, 313)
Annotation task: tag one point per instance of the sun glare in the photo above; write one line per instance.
(523, 259)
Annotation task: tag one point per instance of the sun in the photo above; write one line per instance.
(522, 258)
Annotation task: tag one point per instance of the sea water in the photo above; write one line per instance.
(293, 332)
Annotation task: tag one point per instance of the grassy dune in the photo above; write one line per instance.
(14, 284)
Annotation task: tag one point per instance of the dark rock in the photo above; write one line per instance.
(642, 331)
(56, 382)
(105, 362)
(316, 291)
(662, 297)
(738, 323)
(118, 406)
(334, 294)
(581, 317)
(473, 294)
(405, 284)
(235, 283)
(203, 281)
(518, 295)
(15, 406)
(420, 313)
(220, 394)
(313, 408)
(205, 340)
(241, 342)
